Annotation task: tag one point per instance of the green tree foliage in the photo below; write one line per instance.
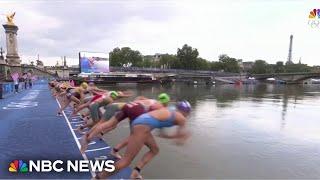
(279, 67)
(187, 57)
(125, 56)
(147, 62)
(202, 64)
(229, 64)
(216, 66)
(259, 67)
(169, 61)
(290, 68)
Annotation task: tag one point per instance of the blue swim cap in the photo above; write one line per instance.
(183, 106)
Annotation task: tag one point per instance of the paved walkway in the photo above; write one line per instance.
(30, 129)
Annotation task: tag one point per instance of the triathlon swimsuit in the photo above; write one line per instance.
(94, 106)
(96, 97)
(71, 93)
(130, 110)
(147, 119)
(111, 110)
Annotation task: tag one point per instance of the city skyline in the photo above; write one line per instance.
(241, 29)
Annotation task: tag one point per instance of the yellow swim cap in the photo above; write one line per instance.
(84, 85)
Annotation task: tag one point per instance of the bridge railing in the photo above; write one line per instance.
(44, 70)
(2, 77)
(175, 71)
(8, 88)
(284, 74)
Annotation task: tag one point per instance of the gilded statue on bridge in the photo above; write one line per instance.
(10, 18)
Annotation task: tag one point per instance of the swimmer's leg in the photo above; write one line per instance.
(147, 157)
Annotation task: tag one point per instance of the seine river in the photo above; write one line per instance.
(251, 131)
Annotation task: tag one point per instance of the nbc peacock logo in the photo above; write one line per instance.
(315, 13)
(314, 18)
(18, 166)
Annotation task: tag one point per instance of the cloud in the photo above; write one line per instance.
(247, 30)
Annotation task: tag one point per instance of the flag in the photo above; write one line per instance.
(33, 78)
(15, 76)
(72, 83)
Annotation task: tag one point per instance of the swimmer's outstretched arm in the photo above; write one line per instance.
(140, 98)
(124, 94)
(180, 136)
(180, 133)
(100, 90)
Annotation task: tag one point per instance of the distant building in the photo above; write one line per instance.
(61, 71)
(247, 65)
(315, 69)
(39, 63)
(2, 60)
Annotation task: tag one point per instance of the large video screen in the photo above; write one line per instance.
(93, 62)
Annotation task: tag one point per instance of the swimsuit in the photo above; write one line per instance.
(130, 110)
(75, 94)
(94, 107)
(147, 119)
(111, 110)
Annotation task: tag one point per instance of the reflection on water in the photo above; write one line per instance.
(253, 131)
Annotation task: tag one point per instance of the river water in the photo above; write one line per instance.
(251, 131)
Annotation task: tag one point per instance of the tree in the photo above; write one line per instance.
(187, 57)
(291, 68)
(168, 61)
(148, 62)
(279, 67)
(202, 64)
(229, 64)
(124, 56)
(216, 66)
(259, 67)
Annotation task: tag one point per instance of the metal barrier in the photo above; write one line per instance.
(1, 97)
(7, 88)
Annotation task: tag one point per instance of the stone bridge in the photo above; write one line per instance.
(288, 77)
(5, 71)
(188, 76)
(40, 72)
(180, 72)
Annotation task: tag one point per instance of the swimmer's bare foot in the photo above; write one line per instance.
(116, 154)
(135, 175)
(84, 144)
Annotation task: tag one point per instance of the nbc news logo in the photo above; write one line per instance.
(18, 166)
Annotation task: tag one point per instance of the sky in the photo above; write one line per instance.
(247, 30)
